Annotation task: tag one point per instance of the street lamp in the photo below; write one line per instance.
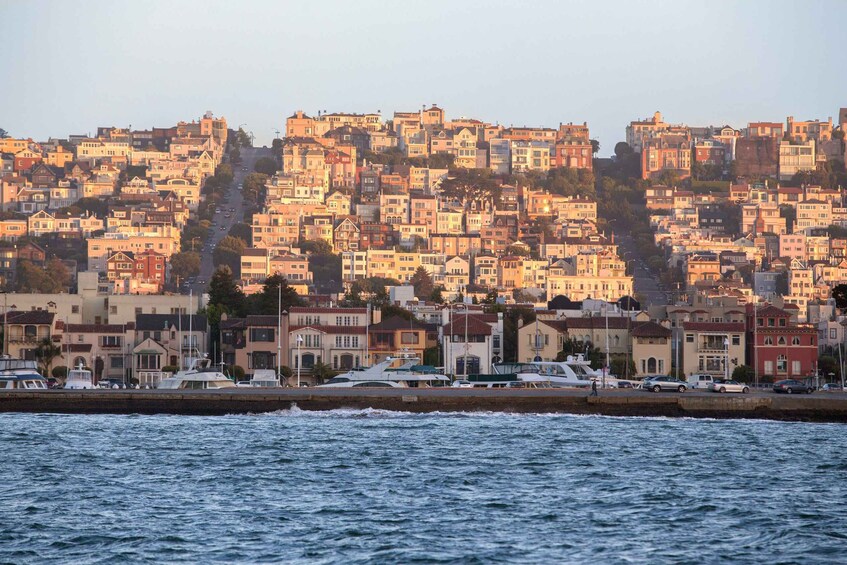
(299, 358)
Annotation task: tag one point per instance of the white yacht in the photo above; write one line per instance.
(201, 375)
(408, 374)
(575, 371)
(265, 378)
(79, 379)
(20, 374)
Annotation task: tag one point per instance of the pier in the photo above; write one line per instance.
(817, 407)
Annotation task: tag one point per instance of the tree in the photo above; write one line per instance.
(224, 292)
(34, 279)
(3, 134)
(253, 186)
(242, 231)
(228, 252)
(595, 146)
(839, 293)
(322, 372)
(266, 166)
(96, 206)
(242, 139)
(185, 264)
(437, 295)
(422, 281)
(45, 352)
(59, 372)
(471, 185)
(266, 302)
(58, 271)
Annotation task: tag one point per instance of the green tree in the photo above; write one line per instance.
(184, 265)
(253, 187)
(44, 353)
(96, 206)
(266, 166)
(34, 279)
(266, 301)
(839, 293)
(228, 252)
(422, 281)
(472, 185)
(224, 292)
(3, 134)
(322, 372)
(242, 231)
(437, 295)
(743, 374)
(58, 271)
(595, 147)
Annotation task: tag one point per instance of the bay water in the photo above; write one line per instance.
(351, 486)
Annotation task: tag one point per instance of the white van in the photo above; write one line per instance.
(699, 382)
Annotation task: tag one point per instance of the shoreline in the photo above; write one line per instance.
(763, 406)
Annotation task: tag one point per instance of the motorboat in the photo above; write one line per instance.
(409, 373)
(20, 374)
(574, 371)
(79, 379)
(264, 378)
(200, 375)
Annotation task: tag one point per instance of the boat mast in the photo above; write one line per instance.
(191, 321)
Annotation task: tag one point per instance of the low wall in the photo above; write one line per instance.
(818, 408)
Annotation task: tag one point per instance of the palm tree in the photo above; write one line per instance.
(45, 352)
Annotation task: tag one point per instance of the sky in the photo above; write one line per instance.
(68, 67)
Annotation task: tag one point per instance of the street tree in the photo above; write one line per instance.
(224, 292)
(228, 252)
(422, 281)
(44, 353)
(184, 265)
(266, 166)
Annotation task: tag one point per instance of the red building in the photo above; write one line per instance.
(24, 160)
(572, 153)
(779, 347)
(150, 267)
(376, 236)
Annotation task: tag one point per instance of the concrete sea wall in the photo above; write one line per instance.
(818, 407)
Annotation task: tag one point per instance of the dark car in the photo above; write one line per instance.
(664, 382)
(624, 384)
(790, 386)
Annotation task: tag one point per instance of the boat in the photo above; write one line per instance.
(574, 371)
(200, 375)
(79, 379)
(408, 374)
(20, 374)
(264, 378)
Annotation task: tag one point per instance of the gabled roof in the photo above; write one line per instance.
(475, 326)
(650, 329)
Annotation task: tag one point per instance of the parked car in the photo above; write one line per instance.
(461, 383)
(625, 384)
(790, 386)
(722, 385)
(832, 387)
(663, 382)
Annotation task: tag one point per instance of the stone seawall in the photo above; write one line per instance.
(814, 408)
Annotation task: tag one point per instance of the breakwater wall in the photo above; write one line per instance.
(814, 408)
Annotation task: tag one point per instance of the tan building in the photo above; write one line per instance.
(796, 157)
(651, 349)
(714, 348)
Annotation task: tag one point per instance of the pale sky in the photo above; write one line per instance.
(68, 67)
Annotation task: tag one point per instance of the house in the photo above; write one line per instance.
(543, 340)
(394, 335)
(105, 348)
(163, 340)
(27, 329)
(777, 346)
(651, 348)
(714, 348)
(468, 343)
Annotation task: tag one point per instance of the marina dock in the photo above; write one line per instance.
(817, 407)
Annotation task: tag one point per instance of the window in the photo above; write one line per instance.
(795, 340)
(111, 341)
(261, 334)
(781, 364)
(689, 338)
(116, 362)
(781, 340)
(771, 322)
(795, 367)
(768, 340)
(782, 322)
(736, 339)
(409, 338)
(74, 309)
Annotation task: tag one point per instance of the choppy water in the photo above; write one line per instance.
(376, 487)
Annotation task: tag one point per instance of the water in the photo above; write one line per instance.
(376, 487)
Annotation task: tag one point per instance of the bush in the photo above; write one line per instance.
(743, 373)
(170, 369)
(237, 372)
(59, 372)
